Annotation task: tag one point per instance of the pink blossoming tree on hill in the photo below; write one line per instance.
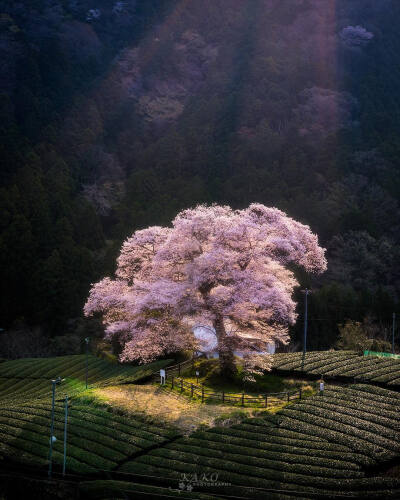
(215, 267)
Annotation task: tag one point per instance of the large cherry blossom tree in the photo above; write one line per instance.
(228, 270)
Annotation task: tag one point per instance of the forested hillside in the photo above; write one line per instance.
(117, 114)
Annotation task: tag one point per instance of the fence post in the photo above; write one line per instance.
(266, 400)
(172, 382)
(202, 393)
(223, 396)
(191, 390)
(181, 384)
(243, 399)
(300, 393)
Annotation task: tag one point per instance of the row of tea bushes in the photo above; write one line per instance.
(97, 438)
(343, 364)
(319, 446)
(102, 489)
(29, 379)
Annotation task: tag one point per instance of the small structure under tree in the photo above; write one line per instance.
(216, 267)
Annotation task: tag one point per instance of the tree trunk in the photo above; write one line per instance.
(226, 357)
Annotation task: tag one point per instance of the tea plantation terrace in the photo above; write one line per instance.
(329, 446)
(341, 365)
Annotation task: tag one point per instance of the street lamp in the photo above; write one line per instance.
(65, 434)
(393, 328)
(306, 292)
(87, 353)
(53, 439)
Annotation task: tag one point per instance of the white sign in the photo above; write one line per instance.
(197, 373)
(162, 376)
(321, 386)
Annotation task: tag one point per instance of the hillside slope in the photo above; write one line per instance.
(323, 446)
(30, 379)
(341, 365)
(331, 446)
(118, 115)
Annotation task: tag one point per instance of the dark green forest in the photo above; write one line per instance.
(115, 115)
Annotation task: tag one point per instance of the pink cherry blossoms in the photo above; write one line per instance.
(218, 267)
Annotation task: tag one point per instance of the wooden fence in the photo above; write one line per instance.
(224, 397)
(174, 381)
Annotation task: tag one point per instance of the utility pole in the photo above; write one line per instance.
(65, 434)
(53, 439)
(305, 321)
(306, 292)
(393, 328)
(87, 353)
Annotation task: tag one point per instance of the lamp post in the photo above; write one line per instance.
(393, 328)
(65, 434)
(53, 439)
(306, 292)
(87, 354)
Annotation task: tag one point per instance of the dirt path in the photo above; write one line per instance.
(165, 405)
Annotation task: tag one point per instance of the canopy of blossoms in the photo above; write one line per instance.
(216, 267)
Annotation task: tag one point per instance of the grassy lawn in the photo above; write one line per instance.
(160, 404)
(187, 414)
